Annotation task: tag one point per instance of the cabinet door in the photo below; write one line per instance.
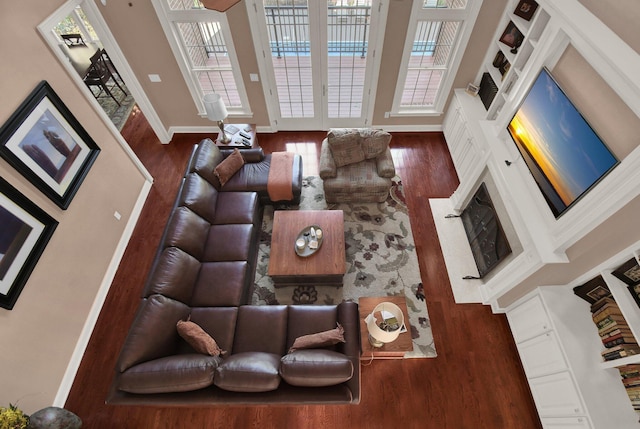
(528, 319)
(556, 396)
(542, 355)
(566, 423)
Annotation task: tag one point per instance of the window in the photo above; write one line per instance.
(203, 47)
(437, 36)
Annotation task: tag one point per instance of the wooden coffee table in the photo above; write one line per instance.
(392, 350)
(325, 267)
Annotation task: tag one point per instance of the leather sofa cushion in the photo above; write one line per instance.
(315, 368)
(205, 159)
(220, 284)
(174, 275)
(179, 373)
(153, 333)
(237, 207)
(228, 243)
(187, 231)
(310, 319)
(200, 196)
(219, 322)
(261, 328)
(249, 372)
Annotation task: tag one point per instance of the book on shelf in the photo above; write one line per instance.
(631, 381)
(630, 370)
(611, 319)
(602, 302)
(626, 332)
(614, 310)
(620, 351)
(603, 305)
(611, 327)
(617, 341)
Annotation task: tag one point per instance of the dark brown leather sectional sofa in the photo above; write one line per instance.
(204, 269)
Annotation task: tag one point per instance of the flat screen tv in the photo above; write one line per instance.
(565, 156)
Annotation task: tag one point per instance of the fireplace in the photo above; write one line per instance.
(486, 236)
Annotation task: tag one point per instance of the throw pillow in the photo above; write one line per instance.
(230, 166)
(374, 142)
(320, 339)
(198, 338)
(345, 146)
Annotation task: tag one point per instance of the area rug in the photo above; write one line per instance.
(381, 260)
(117, 114)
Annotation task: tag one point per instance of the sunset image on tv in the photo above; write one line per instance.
(565, 156)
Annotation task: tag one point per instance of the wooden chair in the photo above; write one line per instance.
(99, 75)
(73, 40)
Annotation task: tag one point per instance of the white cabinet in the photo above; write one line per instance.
(556, 395)
(560, 351)
(542, 355)
(551, 381)
(565, 423)
(464, 150)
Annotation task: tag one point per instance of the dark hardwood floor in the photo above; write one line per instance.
(475, 382)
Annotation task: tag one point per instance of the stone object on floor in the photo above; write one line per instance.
(54, 418)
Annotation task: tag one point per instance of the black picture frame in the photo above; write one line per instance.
(525, 9)
(26, 230)
(45, 143)
(512, 37)
(593, 290)
(629, 272)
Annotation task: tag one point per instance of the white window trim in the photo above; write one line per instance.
(467, 18)
(166, 17)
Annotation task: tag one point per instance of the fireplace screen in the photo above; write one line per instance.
(488, 241)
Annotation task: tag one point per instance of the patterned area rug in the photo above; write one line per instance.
(381, 260)
(117, 114)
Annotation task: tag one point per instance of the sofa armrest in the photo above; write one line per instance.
(385, 165)
(349, 318)
(249, 155)
(328, 167)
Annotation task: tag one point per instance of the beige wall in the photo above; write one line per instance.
(147, 50)
(622, 16)
(39, 335)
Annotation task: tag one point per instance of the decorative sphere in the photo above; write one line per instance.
(54, 418)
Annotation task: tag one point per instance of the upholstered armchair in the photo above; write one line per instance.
(356, 165)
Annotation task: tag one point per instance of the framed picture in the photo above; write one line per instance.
(512, 37)
(629, 272)
(26, 230)
(593, 290)
(526, 9)
(48, 146)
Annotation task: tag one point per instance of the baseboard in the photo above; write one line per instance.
(89, 324)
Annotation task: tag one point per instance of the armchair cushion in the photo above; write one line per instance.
(345, 146)
(373, 142)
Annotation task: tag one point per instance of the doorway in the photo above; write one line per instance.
(320, 58)
(79, 43)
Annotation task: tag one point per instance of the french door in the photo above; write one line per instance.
(319, 61)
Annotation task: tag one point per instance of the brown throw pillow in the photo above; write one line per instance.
(321, 339)
(227, 168)
(198, 338)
